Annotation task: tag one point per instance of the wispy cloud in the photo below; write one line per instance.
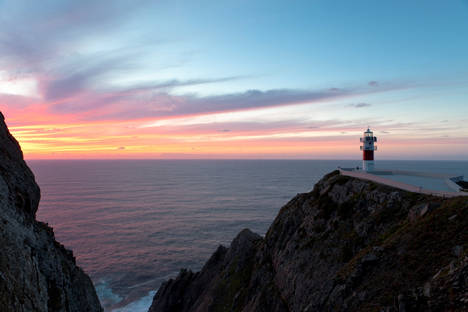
(80, 76)
(48, 28)
(359, 105)
(163, 104)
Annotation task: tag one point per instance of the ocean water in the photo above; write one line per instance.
(135, 223)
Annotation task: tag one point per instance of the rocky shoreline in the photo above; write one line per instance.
(349, 245)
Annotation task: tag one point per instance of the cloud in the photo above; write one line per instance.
(47, 28)
(257, 98)
(163, 104)
(80, 76)
(64, 45)
(79, 79)
(16, 101)
(78, 82)
(199, 126)
(156, 99)
(359, 105)
(88, 100)
(373, 83)
(173, 83)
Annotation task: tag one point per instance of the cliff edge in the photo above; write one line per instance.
(348, 245)
(36, 272)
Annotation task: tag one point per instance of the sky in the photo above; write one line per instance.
(235, 79)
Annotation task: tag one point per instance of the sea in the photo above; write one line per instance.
(133, 224)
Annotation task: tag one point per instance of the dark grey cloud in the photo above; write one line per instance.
(138, 97)
(359, 105)
(257, 98)
(163, 104)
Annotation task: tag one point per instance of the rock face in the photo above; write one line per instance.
(36, 272)
(349, 245)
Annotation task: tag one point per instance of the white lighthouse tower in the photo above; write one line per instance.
(368, 149)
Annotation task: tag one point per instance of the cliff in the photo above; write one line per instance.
(36, 272)
(349, 245)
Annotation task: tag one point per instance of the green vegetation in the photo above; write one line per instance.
(231, 291)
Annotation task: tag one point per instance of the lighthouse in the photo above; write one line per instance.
(368, 149)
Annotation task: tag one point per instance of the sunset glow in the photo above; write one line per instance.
(157, 80)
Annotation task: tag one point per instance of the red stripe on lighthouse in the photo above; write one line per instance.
(368, 155)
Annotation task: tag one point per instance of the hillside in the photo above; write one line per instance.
(348, 245)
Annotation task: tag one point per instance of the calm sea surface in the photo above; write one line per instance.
(134, 223)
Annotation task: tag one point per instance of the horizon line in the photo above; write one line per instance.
(302, 159)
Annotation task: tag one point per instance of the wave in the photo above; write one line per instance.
(141, 305)
(106, 296)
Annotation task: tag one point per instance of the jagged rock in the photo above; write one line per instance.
(208, 289)
(369, 258)
(421, 209)
(348, 245)
(377, 249)
(457, 251)
(427, 289)
(401, 303)
(453, 217)
(36, 272)
(449, 289)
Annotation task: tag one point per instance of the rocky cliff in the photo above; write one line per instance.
(36, 272)
(349, 245)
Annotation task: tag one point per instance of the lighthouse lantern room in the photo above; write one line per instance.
(368, 149)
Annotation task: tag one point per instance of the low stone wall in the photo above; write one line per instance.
(407, 187)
